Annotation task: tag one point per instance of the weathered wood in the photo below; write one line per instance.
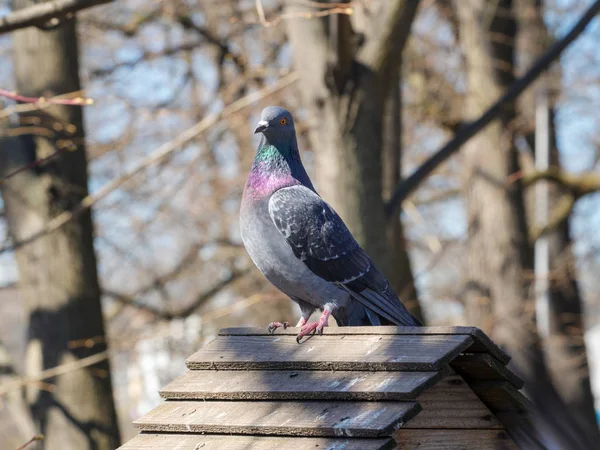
(453, 440)
(482, 343)
(481, 366)
(452, 404)
(500, 396)
(308, 418)
(333, 352)
(147, 441)
(298, 385)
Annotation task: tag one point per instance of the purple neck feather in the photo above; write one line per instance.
(276, 165)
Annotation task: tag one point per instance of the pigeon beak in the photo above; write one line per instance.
(262, 126)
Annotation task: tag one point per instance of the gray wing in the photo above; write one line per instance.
(321, 240)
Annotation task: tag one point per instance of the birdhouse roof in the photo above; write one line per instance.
(352, 388)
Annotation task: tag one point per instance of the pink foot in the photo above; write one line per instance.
(274, 325)
(301, 322)
(313, 327)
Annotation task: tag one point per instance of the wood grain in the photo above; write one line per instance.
(330, 352)
(482, 343)
(481, 367)
(453, 440)
(309, 418)
(452, 404)
(298, 385)
(146, 441)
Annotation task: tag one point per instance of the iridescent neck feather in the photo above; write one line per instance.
(276, 165)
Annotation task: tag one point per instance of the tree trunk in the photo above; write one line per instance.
(499, 258)
(400, 270)
(347, 71)
(57, 272)
(16, 426)
(565, 350)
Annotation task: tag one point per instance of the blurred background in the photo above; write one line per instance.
(119, 236)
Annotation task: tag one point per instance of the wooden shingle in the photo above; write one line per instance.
(481, 342)
(352, 388)
(298, 385)
(312, 418)
(330, 352)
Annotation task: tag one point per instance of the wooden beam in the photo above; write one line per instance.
(484, 367)
(146, 441)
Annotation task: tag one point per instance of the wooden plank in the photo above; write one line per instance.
(417, 353)
(308, 418)
(452, 404)
(500, 396)
(146, 441)
(453, 440)
(298, 385)
(481, 366)
(482, 343)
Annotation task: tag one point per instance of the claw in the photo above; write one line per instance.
(274, 325)
(303, 334)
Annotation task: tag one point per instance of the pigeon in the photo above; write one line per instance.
(301, 245)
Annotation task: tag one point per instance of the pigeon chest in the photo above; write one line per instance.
(273, 256)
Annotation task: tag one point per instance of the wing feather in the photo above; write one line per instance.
(319, 238)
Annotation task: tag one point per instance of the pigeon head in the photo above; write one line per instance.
(277, 162)
(276, 124)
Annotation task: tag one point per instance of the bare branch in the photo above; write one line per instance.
(560, 212)
(327, 9)
(41, 101)
(38, 437)
(155, 157)
(44, 14)
(405, 188)
(54, 372)
(386, 37)
(145, 56)
(184, 312)
(578, 184)
(575, 185)
(37, 162)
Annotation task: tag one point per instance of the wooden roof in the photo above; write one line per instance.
(352, 388)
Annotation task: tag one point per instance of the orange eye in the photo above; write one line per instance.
(283, 121)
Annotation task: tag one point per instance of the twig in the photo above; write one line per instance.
(213, 314)
(33, 164)
(55, 372)
(42, 101)
(578, 184)
(261, 13)
(18, 108)
(45, 13)
(184, 312)
(327, 10)
(237, 306)
(38, 437)
(155, 157)
(406, 187)
(86, 342)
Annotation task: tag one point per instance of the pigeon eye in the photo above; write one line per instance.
(283, 121)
